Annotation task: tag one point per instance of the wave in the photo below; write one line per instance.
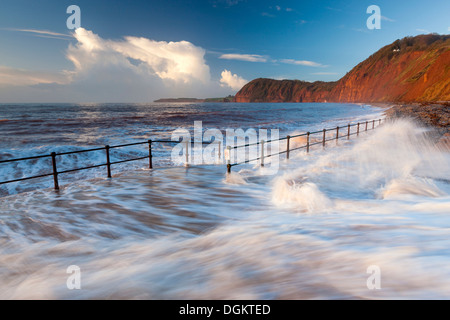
(396, 160)
(311, 232)
(304, 196)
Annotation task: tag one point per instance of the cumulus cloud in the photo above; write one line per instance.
(176, 61)
(131, 69)
(232, 80)
(244, 57)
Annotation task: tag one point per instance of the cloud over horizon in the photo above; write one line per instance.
(232, 80)
(20, 77)
(134, 68)
(130, 69)
(176, 61)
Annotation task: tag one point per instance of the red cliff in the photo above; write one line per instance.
(413, 69)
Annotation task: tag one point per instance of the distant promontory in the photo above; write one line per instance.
(195, 100)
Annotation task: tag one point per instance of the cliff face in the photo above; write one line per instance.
(268, 90)
(409, 70)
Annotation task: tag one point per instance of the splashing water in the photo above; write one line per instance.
(310, 232)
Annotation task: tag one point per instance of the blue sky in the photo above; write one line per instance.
(138, 51)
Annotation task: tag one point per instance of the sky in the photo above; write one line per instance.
(139, 51)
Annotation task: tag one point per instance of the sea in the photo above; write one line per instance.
(365, 217)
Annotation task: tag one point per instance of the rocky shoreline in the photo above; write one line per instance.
(433, 115)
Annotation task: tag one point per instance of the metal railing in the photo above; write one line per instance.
(360, 127)
(54, 168)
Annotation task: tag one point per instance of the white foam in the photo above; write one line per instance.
(397, 188)
(234, 178)
(302, 195)
(382, 199)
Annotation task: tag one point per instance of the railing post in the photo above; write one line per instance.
(150, 155)
(187, 153)
(55, 171)
(108, 161)
(228, 168)
(379, 121)
(262, 153)
(324, 138)
(288, 147)
(357, 130)
(337, 134)
(366, 124)
(348, 132)
(228, 158)
(307, 141)
(220, 152)
(373, 124)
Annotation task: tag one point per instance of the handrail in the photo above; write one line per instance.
(308, 142)
(24, 159)
(108, 163)
(55, 173)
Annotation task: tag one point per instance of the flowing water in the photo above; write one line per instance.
(313, 230)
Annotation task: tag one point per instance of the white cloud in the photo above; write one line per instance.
(448, 29)
(43, 33)
(244, 57)
(387, 19)
(301, 62)
(289, 9)
(131, 69)
(19, 77)
(423, 30)
(232, 80)
(176, 61)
